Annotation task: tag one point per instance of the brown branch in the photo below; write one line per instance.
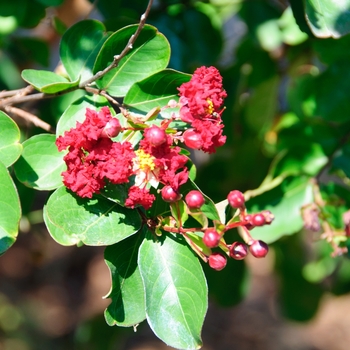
(30, 118)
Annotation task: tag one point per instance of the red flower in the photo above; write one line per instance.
(92, 158)
(201, 102)
(202, 96)
(139, 196)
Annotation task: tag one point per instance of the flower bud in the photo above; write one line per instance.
(194, 199)
(112, 128)
(155, 135)
(211, 237)
(238, 251)
(259, 249)
(217, 261)
(169, 194)
(192, 139)
(236, 199)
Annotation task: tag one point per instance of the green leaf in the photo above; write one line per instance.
(40, 165)
(10, 148)
(328, 18)
(76, 112)
(149, 55)
(10, 210)
(176, 291)
(48, 82)
(285, 202)
(79, 47)
(127, 293)
(97, 221)
(156, 91)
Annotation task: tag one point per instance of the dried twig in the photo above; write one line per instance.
(30, 117)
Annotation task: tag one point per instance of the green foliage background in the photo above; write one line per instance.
(286, 71)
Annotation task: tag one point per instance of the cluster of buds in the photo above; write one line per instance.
(214, 236)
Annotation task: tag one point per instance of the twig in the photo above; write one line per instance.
(30, 117)
(19, 92)
(126, 49)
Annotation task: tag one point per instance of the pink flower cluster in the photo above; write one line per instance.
(201, 101)
(92, 157)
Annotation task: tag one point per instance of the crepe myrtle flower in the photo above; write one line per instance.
(201, 101)
(92, 157)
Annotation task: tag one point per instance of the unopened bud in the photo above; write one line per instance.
(112, 128)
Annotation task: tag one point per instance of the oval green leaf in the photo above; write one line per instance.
(150, 54)
(79, 47)
(10, 210)
(97, 221)
(127, 292)
(176, 291)
(48, 82)
(10, 148)
(156, 91)
(40, 165)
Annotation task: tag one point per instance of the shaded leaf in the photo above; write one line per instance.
(97, 221)
(127, 293)
(40, 165)
(176, 291)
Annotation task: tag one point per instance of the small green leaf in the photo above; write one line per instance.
(10, 210)
(97, 221)
(40, 165)
(76, 112)
(149, 55)
(156, 91)
(285, 202)
(176, 291)
(79, 47)
(10, 148)
(127, 293)
(328, 18)
(48, 82)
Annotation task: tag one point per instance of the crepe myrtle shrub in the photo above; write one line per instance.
(119, 168)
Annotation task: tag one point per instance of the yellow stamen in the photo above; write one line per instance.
(145, 160)
(210, 108)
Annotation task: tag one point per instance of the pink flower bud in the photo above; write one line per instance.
(194, 199)
(112, 128)
(217, 261)
(192, 139)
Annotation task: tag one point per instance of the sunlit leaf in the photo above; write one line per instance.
(74, 220)
(10, 148)
(149, 54)
(10, 210)
(176, 291)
